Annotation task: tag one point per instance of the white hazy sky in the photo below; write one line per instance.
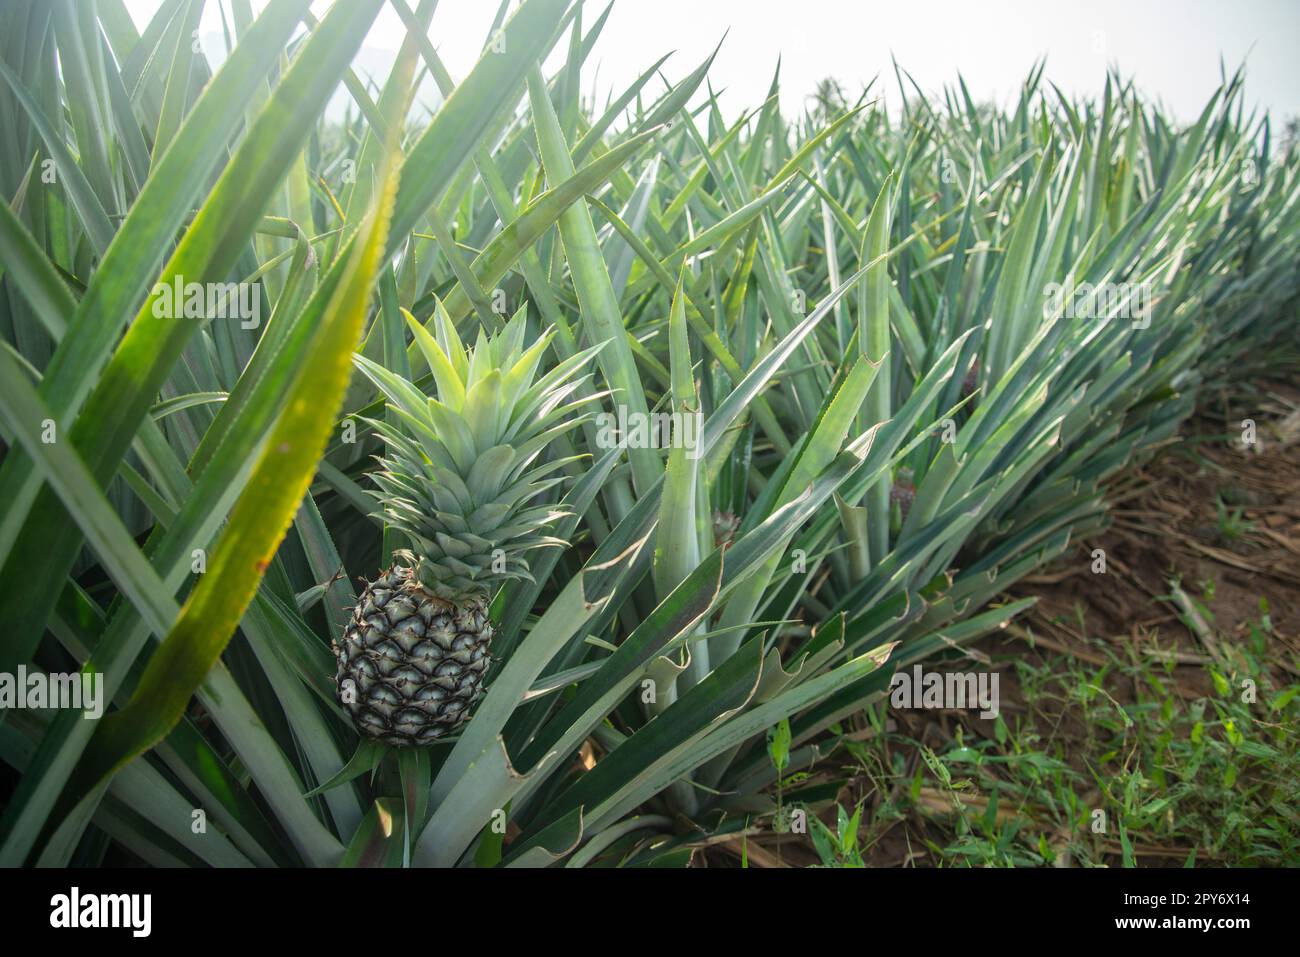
(1171, 47)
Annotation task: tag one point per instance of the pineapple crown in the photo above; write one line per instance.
(462, 468)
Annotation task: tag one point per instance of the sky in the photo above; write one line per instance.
(1171, 48)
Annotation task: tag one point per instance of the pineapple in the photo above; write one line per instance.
(456, 484)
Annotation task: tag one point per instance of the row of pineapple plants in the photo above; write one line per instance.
(368, 583)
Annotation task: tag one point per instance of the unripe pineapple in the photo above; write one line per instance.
(456, 483)
(416, 662)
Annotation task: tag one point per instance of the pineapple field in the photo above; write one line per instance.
(499, 476)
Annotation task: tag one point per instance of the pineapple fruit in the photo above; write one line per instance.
(456, 483)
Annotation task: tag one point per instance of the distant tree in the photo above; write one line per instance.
(828, 99)
(1290, 135)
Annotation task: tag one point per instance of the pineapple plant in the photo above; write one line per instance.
(458, 484)
(183, 439)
